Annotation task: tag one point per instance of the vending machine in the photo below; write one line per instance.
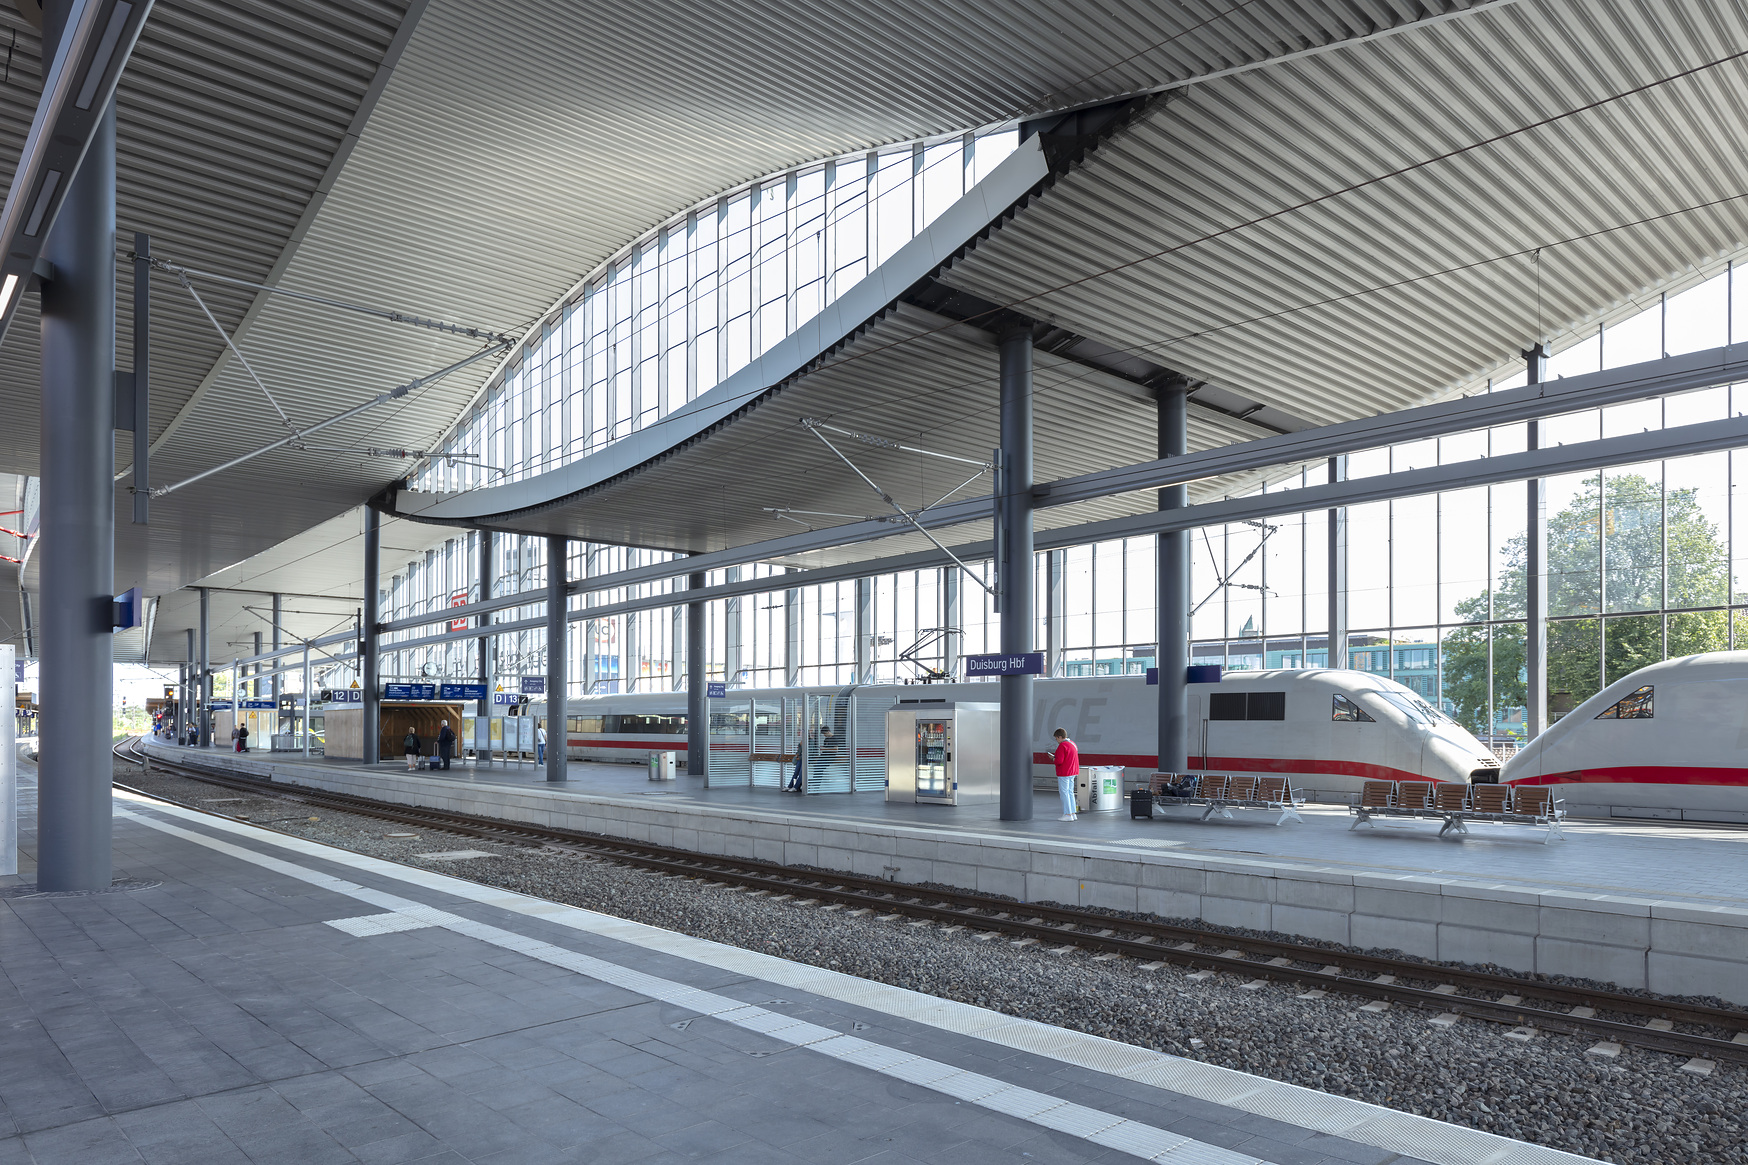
(943, 753)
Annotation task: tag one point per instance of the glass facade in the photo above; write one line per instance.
(1644, 561)
(693, 302)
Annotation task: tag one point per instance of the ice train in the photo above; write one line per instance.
(1669, 741)
(1330, 730)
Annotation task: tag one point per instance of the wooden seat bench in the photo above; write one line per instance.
(1215, 793)
(1457, 805)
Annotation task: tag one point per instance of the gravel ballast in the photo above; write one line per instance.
(1638, 1108)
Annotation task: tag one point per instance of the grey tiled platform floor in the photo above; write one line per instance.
(1639, 859)
(216, 1019)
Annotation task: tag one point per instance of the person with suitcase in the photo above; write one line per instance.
(410, 746)
(445, 744)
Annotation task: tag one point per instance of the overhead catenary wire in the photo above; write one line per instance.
(381, 398)
(183, 272)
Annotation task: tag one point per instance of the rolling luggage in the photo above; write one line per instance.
(1141, 803)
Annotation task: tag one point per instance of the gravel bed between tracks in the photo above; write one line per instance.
(1636, 1109)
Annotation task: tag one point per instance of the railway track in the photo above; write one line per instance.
(1498, 998)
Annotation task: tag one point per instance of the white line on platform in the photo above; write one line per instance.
(1355, 1120)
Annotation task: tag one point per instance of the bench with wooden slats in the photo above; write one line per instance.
(1456, 805)
(1216, 793)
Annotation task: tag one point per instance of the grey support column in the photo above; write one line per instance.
(697, 722)
(257, 672)
(951, 619)
(732, 630)
(189, 690)
(179, 719)
(203, 661)
(278, 680)
(78, 519)
(864, 630)
(1174, 593)
(367, 652)
(558, 672)
(485, 643)
(792, 638)
(1337, 565)
(1536, 573)
(1055, 562)
(1015, 569)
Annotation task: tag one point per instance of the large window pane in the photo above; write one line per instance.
(1629, 644)
(1696, 508)
(1574, 663)
(1632, 521)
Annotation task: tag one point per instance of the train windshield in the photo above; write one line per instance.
(1417, 710)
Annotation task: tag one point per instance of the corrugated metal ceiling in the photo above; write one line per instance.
(1280, 312)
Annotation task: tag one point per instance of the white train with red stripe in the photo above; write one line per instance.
(1669, 741)
(1329, 730)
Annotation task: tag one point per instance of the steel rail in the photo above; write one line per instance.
(1156, 941)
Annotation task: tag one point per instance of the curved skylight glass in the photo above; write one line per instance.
(695, 300)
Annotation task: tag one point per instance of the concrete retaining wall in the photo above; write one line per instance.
(1667, 947)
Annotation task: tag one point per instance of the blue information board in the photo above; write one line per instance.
(716, 691)
(461, 691)
(346, 696)
(409, 691)
(534, 685)
(1027, 664)
(258, 705)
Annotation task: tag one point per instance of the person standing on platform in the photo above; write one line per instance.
(446, 744)
(1067, 758)
(539, 744)
(242, 738)
(410, 746)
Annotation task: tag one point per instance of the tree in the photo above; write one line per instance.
(1611, 538)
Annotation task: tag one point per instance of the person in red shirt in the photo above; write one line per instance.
(1067, 768)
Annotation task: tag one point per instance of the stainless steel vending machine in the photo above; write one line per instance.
(943, 753)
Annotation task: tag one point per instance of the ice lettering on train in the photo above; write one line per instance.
(1078, 715)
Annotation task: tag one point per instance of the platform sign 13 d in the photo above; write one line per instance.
(1030, 663)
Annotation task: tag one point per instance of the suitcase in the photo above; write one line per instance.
(1141, 803)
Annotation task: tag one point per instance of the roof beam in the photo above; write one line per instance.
(1125, 365)
(1653, 445)
(1652, 378)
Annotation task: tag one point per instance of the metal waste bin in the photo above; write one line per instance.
(662, 766)
(1106, 793)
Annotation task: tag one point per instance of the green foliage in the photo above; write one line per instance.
(1629, 522)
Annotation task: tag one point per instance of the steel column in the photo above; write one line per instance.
(485, 643)
(697, 722)
(1535, 656)
(1173, 552)
(309, 703)
(1337, 571)
(1015, 570)
(367, 649)
(203, 728)
(792, 638)
(257, 672)
(278, 687)
(864, 622)
(950, 619)
(1054, 614)
(732, 630)
(78, 519)
(558, 676)
(188, 691)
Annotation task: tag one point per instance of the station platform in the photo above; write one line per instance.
(259, 997)
(1636, 904)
